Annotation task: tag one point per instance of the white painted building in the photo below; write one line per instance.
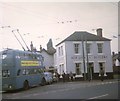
(69, 54)
(116, 59)
(48, 59)
(48, 56)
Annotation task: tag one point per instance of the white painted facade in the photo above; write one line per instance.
(66, 59)
(48, 59)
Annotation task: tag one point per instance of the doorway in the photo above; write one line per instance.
(91, 70)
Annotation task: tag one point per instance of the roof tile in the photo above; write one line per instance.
(83, 35)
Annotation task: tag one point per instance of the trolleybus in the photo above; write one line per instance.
(21, 69)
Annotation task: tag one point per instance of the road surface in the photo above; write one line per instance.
(86, 90)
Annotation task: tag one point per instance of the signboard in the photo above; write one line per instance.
(30, 63)
(89, 57)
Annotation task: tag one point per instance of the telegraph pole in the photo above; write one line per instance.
(83, 58)
(88, 69)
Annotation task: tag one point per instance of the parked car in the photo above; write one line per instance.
(48, 77)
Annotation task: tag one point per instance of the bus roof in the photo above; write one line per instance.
(20, 51)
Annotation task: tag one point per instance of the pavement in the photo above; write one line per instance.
(90, 83)
(86, 81)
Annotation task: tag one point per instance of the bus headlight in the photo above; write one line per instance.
(10, 86)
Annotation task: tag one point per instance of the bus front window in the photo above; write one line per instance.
(5, 73)
(4, 56)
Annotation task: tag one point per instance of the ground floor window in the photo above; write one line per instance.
(102, 65)
(61, 68)
(78, 68)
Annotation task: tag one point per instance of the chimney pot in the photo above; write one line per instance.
(40, 48)
(31, 46)
(99, 32)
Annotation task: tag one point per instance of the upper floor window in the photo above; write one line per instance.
(76, 48)
(100, 47)
(88, 47)
(60, 51)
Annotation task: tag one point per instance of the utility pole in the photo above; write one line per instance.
(88, 69)
(83, 58)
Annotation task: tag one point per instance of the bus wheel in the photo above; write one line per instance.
(43, 82)
(26, 85)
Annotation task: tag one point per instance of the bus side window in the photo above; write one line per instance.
(27, 71)
(24, 72)
(39, 71)
(18, 72)
(35, 71)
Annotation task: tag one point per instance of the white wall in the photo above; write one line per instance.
(61, 59)
(48, 59)
(69, 58)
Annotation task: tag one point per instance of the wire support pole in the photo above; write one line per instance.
(83, 58)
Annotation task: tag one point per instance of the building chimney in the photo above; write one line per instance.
(49, 44)
(31, 46)
(40, 48)
(99, 32)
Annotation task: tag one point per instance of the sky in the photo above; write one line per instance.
(40, 21)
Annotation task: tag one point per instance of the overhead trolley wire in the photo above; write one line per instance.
(40, 15)
(27, 11)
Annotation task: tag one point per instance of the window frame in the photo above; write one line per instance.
(78, 67)
(88, 47)
(76, 48)
(100, 48)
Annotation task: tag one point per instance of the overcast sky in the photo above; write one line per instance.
(38, 22)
